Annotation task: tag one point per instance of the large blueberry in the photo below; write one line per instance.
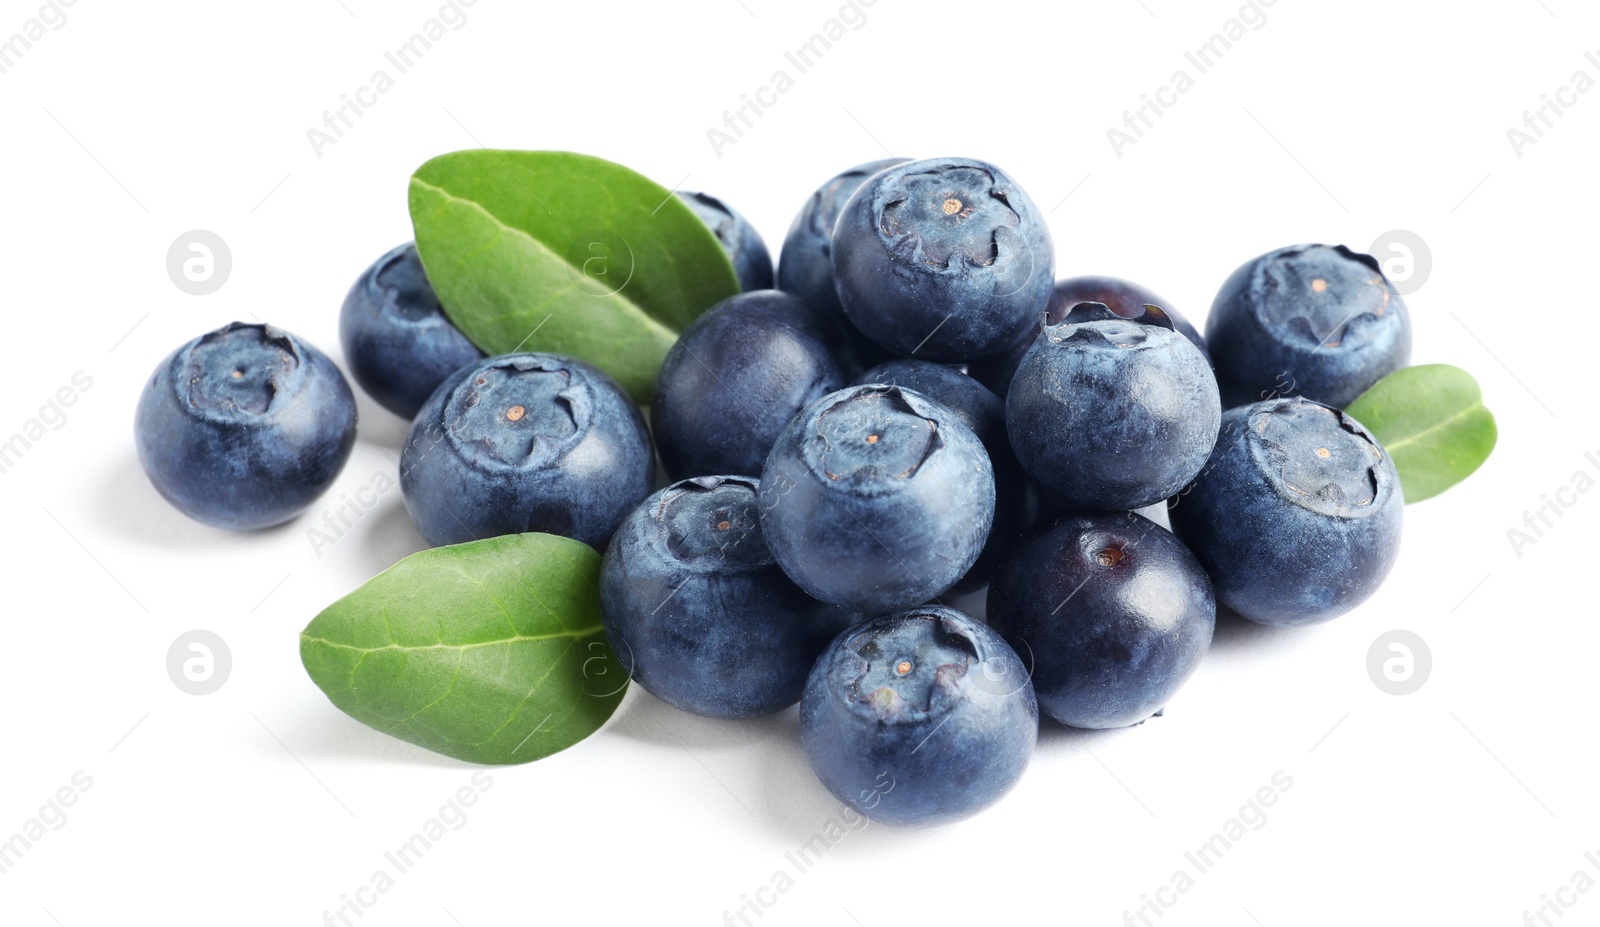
(921, 717)
(1111, 613)
(1122, 297)
(1308, 320)
(245, 426)
(698, 611)
(983, 412)
(735, 378)
(396, 339)
(805, 265)
(525, 442)
(1297, 514)
(945, 259)
(1112, 413)
(878, 498)
(740, 240)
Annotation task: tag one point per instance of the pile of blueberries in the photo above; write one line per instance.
(919, 409)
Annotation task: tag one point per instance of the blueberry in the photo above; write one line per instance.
(245, 426)
(921, 717)
(698, 611)
(1112, 613)
(1122, 297)
(805, 265)
(397, 341)
(944, 259)
(735, 378)
(751, 260)
(1308, 320)
(525, 442)
(983, 412)
(1112, 413)
(878, 498)
(1296, 517)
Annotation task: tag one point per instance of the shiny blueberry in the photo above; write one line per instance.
(396, 339)
(1297, 515)
(921, 717)
(878, 498)
(1112, 413)
(805, 265)
(1308, 320)
(735, 378)
(525, 442)
(1111, 613)
(743, 244)
(983, 412)
(944, 259)
(698, 611)
(245, 426)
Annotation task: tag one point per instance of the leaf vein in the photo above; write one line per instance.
(520, 638)
(1416, 436)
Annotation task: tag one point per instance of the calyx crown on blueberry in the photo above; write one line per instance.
(1124, 298)
(879, 436)
(1341, 475)
(713, 523)
(520, 413)
(906, 673)
(240, 370)
(1092, 311)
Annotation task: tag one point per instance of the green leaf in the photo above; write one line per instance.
(490, 651)
(566, 253)
(1432, 421)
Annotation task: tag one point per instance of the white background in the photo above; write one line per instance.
(1464, 803)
